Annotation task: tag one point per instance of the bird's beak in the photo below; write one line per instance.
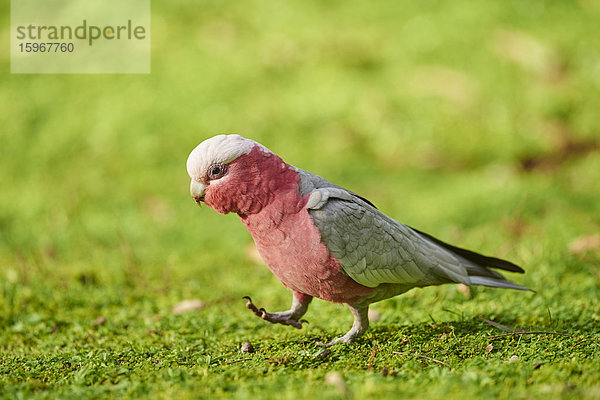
(197, 191)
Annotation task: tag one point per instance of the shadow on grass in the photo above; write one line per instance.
(443, 343)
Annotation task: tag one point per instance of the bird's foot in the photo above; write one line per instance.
(357, 330)
(283, 318)
(341, 340)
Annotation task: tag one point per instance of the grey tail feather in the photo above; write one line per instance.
(476, 258)
(494, 282)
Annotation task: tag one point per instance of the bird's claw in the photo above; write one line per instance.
(250, 306)
(326, 344)
(332, 343)
(274, 318)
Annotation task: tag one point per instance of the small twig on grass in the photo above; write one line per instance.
(237, 361)
(504, 328)
(373, 353)
(422, 356)
(517, 331)
(596, 342)
(529, 333)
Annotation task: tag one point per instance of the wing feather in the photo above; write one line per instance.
(375, 249)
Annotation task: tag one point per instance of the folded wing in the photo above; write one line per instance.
(375, 249)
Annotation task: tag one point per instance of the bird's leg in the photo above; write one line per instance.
(290, 317)
(360, 325)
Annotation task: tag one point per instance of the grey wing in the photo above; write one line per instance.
(375, 249)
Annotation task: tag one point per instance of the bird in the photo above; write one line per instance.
(323, 241)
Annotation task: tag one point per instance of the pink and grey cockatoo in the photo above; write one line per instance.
(322, 240)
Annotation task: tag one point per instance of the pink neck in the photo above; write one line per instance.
(258, 180)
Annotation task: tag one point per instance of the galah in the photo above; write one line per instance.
(322, 240)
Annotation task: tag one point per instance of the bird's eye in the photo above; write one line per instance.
(216, 171)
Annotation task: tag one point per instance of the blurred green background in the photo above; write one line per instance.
(476, 122)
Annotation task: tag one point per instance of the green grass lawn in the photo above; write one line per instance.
(476, 122)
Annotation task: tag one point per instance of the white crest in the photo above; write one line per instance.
(218, 149)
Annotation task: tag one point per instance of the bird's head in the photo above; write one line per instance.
(230, 173)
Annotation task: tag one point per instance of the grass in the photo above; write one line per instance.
(475, 122)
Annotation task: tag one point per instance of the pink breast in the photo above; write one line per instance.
(290, 245)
